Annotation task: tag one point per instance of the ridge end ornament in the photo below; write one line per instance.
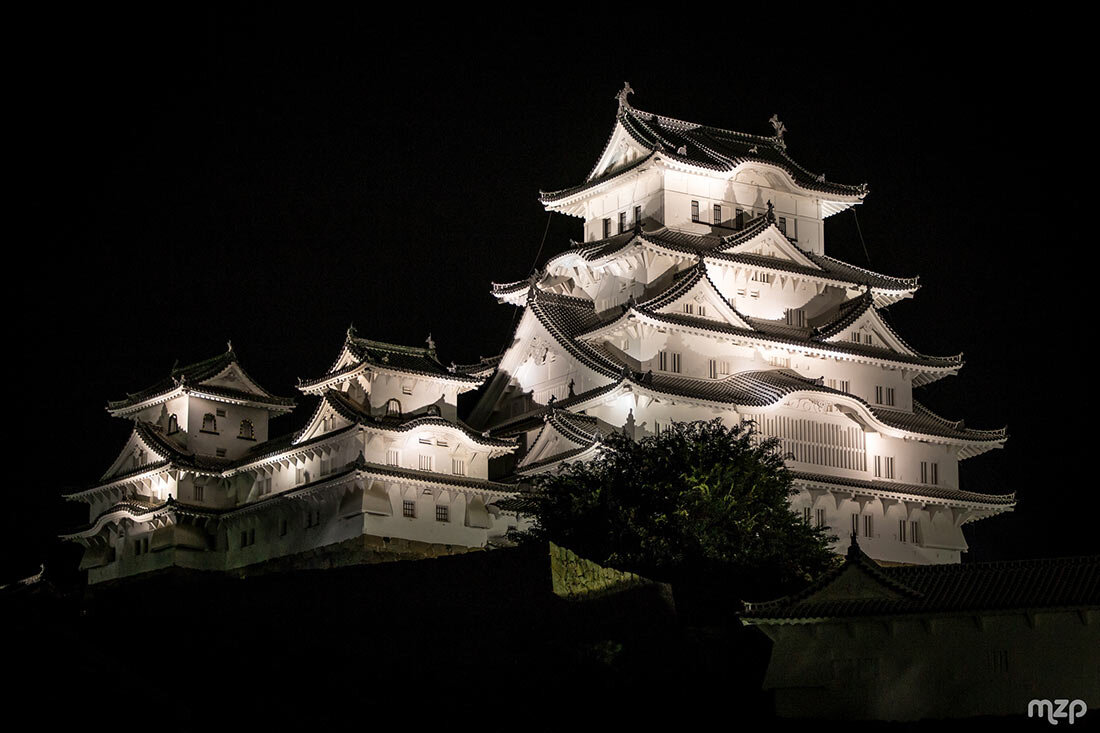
(625, 92)
(780, 128)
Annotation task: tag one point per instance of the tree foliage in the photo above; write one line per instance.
(700, 503)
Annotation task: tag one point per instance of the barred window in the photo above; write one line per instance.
(248, 432)
(393, 407)
(695, 211)
(408, 508)
(717, 213)
(442, 513)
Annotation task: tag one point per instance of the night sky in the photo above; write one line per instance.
(269, 178)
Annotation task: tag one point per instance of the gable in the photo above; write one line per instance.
(871, 331)
(621, 151)
(549, 442)
(702, 300)
(771, 243)
(854, 583)
(233, 377)
(135, 453)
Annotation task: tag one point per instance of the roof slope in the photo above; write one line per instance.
(705, 146)
(1018, 585)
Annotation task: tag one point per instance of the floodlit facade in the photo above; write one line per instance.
(703, 289)
(383, 469)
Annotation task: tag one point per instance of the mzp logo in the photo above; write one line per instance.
(1054, 711)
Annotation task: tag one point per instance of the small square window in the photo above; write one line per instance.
(442, 513)
(408, 508)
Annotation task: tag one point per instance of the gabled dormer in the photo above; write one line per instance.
(219, 410)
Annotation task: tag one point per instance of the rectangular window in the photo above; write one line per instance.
(855, 524)
(845, 386)
(220, 412)
(924, 472)
(425, 463)
(197, 493)
(220, 452)
(325, 463)
(392, 458)
(754, 293)
(717, 213)
(741, 292)
(796, 317)
(914, 532)
(901, 530)
(738, 217)
(442, 513)
(878, 466)
(425, 440)
(855, 336)
(819, 517)
(458, 466)
(934, 474)
(662, 361)
(782, 224)
(675, 363)
(282, 527)
(890, 396)
(884, 395)
(868, 525)
(406, 389)
(889, 467)
(695, 211)
(266, 486)
(762, 277)
(713, 369)
(299, 474)
(867, 339)
(878, 395)
(606, 228)
(689, 308)
(637, 214)
(723, 367)
(783, 362)
(702, 310)
(408, 508)
(622, 222)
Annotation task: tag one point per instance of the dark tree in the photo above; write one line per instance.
(702, 505)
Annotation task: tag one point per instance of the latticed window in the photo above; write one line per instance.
(458, 466)
(248, 432)
(408, 508)
(717, 213)
(442, 513)
(695, 211)
(622, 222)
(393, 407)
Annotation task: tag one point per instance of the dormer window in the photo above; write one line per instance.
(173, 424)
(209, 423)
(393, 408)
(248, 432)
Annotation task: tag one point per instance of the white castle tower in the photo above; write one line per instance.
(703, 290)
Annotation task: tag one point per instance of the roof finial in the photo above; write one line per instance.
(623, 94)
(351, 330)
(780, 128)
(771, 211)
(228, 346)
(430, 342)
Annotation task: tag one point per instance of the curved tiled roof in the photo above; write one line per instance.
(564, 317)
(1016, 585)
(919, 491)
(192, 376)
(708, 147)
(410, 359)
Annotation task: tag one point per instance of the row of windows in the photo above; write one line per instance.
(929, 471)
(908, 530)
(865, 339)
(884, 395)
(210, 425)
(622, 222)
(739, 216)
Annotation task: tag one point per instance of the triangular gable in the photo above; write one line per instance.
(125, 461)
(772, 244)
(855, 583)
(698, 297)
(870, 323)
(548, 443)
(326, 419)
(234, 377)
(621, 151)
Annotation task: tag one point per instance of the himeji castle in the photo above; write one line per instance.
(701, 289)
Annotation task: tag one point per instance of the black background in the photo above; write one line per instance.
(269, 177)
